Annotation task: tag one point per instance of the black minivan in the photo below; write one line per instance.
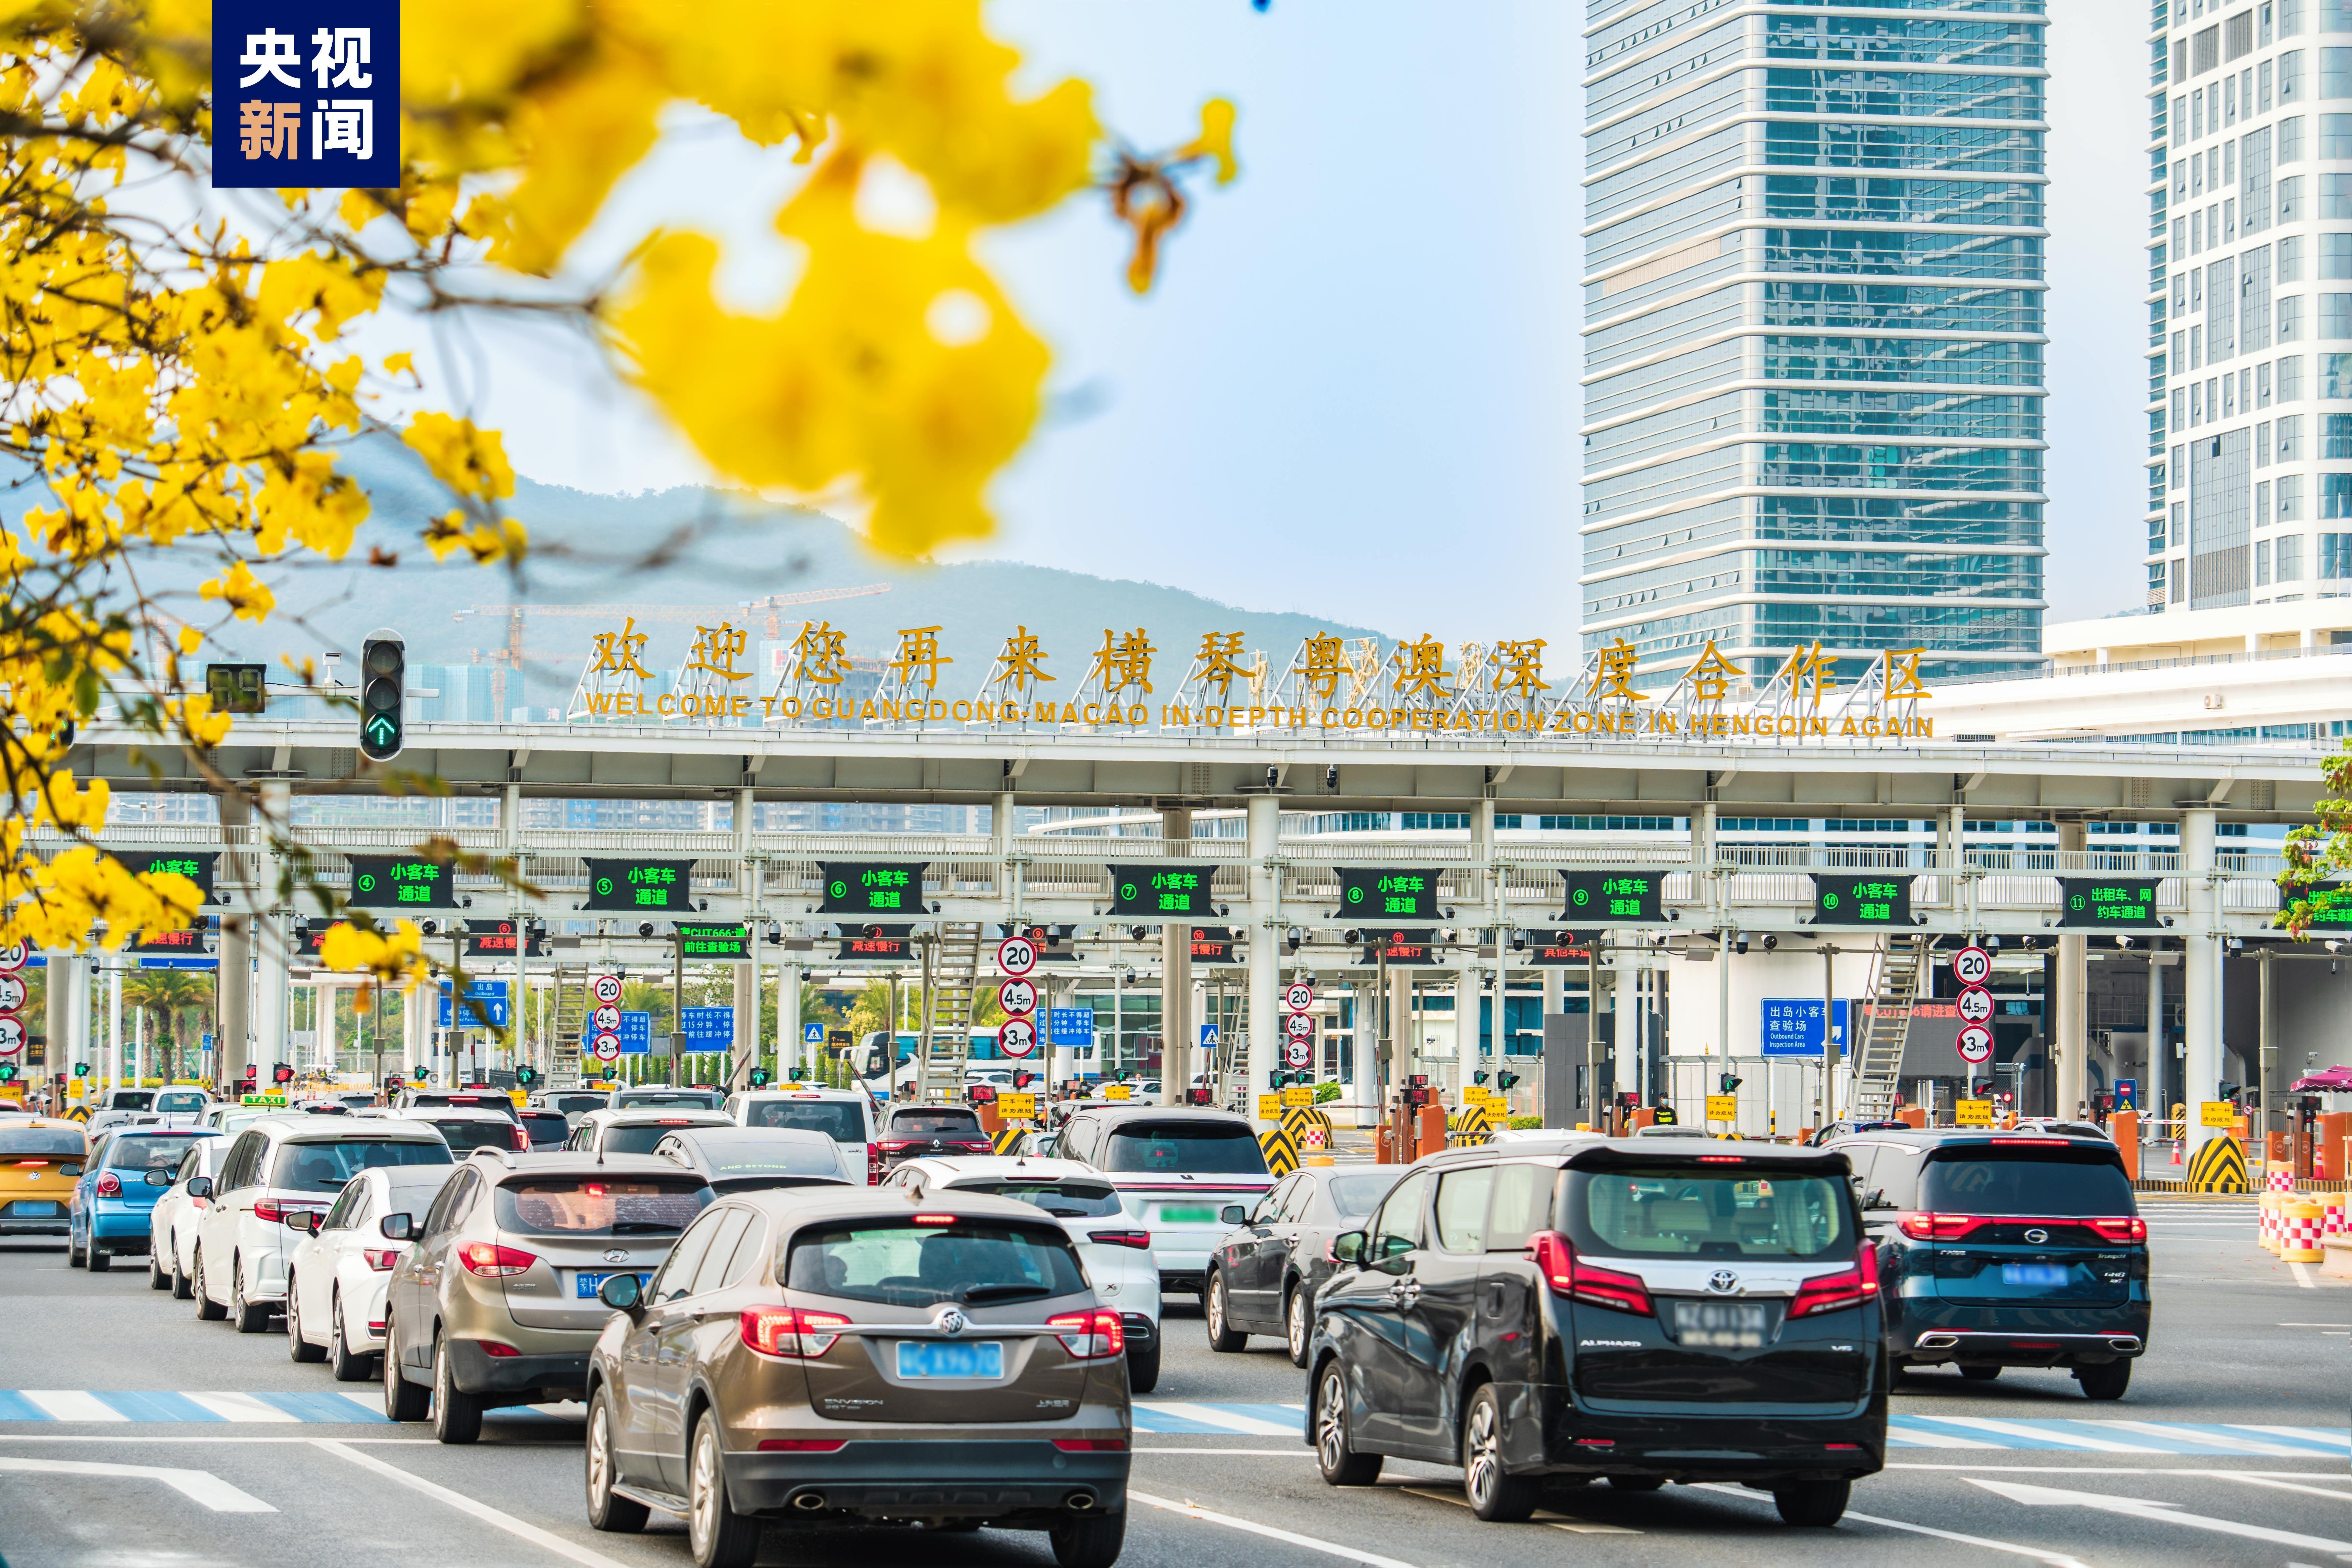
(1543, 1312)
(2006, 1250)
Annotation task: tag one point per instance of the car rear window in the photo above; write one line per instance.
(324, 1167)
(567, 1103)
(147, 1153)
(1190, 1147)
(464, 1136)
(183, 1102)
(2024, 1179)
(547, 1126)
(842, 1120)
(1063, 1200)
(600, 1205)
(1673, 1211)
(780, 1157)
(131, 1099)
(932, 1123)
(1356, 1196)
(663, 1099)
(50, 1141)
(901, 1263)
(639, 1139)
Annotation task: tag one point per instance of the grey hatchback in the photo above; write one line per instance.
(803, 1358)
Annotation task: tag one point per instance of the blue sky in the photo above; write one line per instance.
(1354, 391)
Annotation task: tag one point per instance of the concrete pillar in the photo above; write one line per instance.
(1365, 1054)
(234, 978)
(114, 1016)
(1404, 1028)
(2159, 1047)
(58, 1048)
(1466, 1025)
(2201, 971)
(789, 1051)
(1180, 1032)
(2069, 1037)
(1264, 1019)
(2266, 1074)
(416, 1009)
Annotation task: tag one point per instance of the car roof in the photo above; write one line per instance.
(1036, 1167)
(726, 1133)
(1118, 1110)
(1579, 1149)
(508, 1165)
(812, 1091)
(798, 1207)
(1938, 1137)
(299, 1128)
(655, 1115)
(443, 1113)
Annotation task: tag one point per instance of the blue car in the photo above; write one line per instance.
(114, 1201)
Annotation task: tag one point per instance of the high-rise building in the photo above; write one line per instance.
(2240, 508)
(1813, 331)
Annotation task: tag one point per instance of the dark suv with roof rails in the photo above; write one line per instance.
(2006, 1250)
(1553, 1312)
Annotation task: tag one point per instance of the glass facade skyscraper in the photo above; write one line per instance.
(1813, 331)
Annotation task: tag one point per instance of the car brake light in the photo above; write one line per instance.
(895, 1145)
(803, 1445)
(873, 1162)
(494, 1348)
(520, 1137)
(1137, 1238)
(788, 1332)
(493, 1261)
(1097, 1335)
(380, 1260)
(675, 1122)
(2122, 1227)
(1847, 1287)
(269, 1213)
(1091, 1445)
(1719, 1159)
(1568, 1276)
(935, 1220)
(109, 1185)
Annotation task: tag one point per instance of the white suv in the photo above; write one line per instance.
(278, 1167)
(844, 1115)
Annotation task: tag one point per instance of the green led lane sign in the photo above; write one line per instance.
(1864, 898)
(1161, 891)
(1378, 894)
(2109, 903)
(873, 887)
(713, 943)
(196, 868)
(617, 886)
(1616, 898)
(402, 882)
(2331, 907)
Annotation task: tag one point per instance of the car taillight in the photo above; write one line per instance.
(1136, 1239)
(1941, 1227)
(976, 1145)
(1097, 1335)
(1571, 1275)
(269, 1213)
(788, 1332)
(1091, 1445)
(803, 1445)
(873, 1165)
(379, 1260)
(2122, 1227)
(1847, 1287)
(893, 1145)
(493, 1261)
(496, 1348)
(521, 1138)
(109, 1185)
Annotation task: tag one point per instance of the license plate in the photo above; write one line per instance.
(25, 1208)
(2044, 1274)
(949, 1358)
(1721, 1325)
(585, 1286)
(1186, 1214)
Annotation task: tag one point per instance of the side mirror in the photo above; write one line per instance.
(200, 1187)
(159, 1178)
(395, 1227)
(624, 1294)
(1233, 1213)
(1348, 1249)
(309, 1222)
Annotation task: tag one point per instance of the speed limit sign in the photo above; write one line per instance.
(606, 1020)
(1017, 1036)
(1297, 1053)
(1299, 1026)
(1974, 1043)
(13, 957)
(607, 1047)
(1975, 1004)
(11, 994)
(1299, 997)
(608, 988)
(1016, 955)
(1017, 998)
(1972, 965)
(12, 1033)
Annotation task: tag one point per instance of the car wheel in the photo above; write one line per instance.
(1213, 1311)
(74, 1256)
(100, 1260)
(1494, 1495)
(1089, 1541)
(1143, 1370)
(299, 1347)
(1811, 1503)
(347, 1367)
(1979, 1374)
(402, 1400)
(181, 1288)
(456, 1414)
(2107, 1382)
(608, 1510)
(1340, 1464)
(156, 1279)
(1296, 1323)
(207, 1309)
(248, 1318)
(717, 1536)
(1637, 1483)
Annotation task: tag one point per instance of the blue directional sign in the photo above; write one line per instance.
(1070, 1025)
(636, 1034)
(709, 1028)
(482, 997)
(1792, 1026)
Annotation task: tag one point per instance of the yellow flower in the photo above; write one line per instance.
(242, 592)
(1215, 140)
(470, 461)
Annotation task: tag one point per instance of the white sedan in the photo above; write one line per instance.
(171, 1225)
(335, 1280)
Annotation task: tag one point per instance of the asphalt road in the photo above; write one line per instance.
(2023, 1469)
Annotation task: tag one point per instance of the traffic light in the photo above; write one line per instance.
(383, 683)
(81, 1069)
(1022, 1077)
(8, 1072)
(393, 1083)
(1505, 1079)
(282, 1073)
(759, 1078)
(1478, 1077)
(526, 1077)
(1727, 1083)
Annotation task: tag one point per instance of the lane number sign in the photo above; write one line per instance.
(1017, 998)
(1300, 996)
(1975, 1043)
(1972, 965)
(1017, 1036)
(1017, 956)
(1975, 1004)
(607, 988)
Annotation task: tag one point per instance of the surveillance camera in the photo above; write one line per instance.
(1355, 938)
(1136, 934)
(1332, 776)
(1294, 936)
(430, 928)
(1272, 777)
(1992, 944)
(645, 928)
(1770, 941)
(2124, 942)
(1740, 945)
(2335, 944)
(2237, 944)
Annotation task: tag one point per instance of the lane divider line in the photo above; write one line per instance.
(2161, 1512)
(2040, 1554)
(198, 1486)
(1208, 1516)
(2337, 1492)
(466, 1505)
(1552, 1517)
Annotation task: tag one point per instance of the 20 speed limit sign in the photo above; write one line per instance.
(607, 988)
(1017, 998)
(1975, 1004)
(13, 957)
(1972, 965)
(1975, 1043)
(1017, 1036)
(1017, 956)
(607, 1047)
(1300, 996)
(1299, 1026)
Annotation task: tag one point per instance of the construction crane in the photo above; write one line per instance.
(512, 656)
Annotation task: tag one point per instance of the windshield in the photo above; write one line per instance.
(41, 1141)
(464, 1136)
(842, 1120)
(934, 1123)
(131, 1099)
(181, 1100)
(664, 1099)
(1063, 1200)
(2025, 1180)
(147, 1153)
(581, 1206)
(1675, 1212)
(1194, 1148)
(976, 1262)
(324, 1167)
(1356, 1196)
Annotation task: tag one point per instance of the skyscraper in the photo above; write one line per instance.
(1813, 331)
(2239, 510)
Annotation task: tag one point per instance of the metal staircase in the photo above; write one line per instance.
(1902, 966)
(571, 1021)
(955, 990)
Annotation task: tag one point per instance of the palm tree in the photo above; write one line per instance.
(169, 995)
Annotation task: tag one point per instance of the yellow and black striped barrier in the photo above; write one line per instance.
(1007, 1139)
(1281, 1153)
(2219, 1167)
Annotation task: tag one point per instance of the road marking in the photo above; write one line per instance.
(240, 1407)
(2040, 1554)
(2335, 1492)
(1193, 1510)
(63, 1404)
(198, 1486)
(2303, 1274)
(2273, 1450)
(1300, 1452)
(1227, 1420)
(2165, 1512)
(463, 1504)
(2040, 1431)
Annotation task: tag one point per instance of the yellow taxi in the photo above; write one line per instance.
(40, 1159)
